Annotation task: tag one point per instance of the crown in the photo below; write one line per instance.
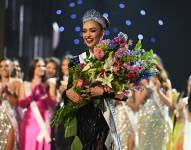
(95, 16)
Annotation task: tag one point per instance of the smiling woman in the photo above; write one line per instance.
(90, 119)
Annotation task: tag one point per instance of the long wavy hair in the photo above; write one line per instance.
(163, 75)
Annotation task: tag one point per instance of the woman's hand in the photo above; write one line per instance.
(96, 91)
(119, 96)
(73, 96)
(62, 88)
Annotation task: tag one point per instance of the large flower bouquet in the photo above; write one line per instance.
(115, 64)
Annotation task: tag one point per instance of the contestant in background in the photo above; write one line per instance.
(36, 98)
(9, 91)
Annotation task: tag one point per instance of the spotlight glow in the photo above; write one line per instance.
(160, 22)
(72, 4)
(58, 12)
(77, 29)
(140, 36)
(143, 12)
(121, 5)
(107, 32)
(76, 41)
(79, 2)
(128, 22)
(61, 29)
(106, 15)
(153, 40)
(73, 16)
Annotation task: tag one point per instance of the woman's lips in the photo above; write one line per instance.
(89, 41)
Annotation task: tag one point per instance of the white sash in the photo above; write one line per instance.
(43, 126)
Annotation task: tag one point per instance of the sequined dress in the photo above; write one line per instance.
(124, 124)
(5, 126)
(153, 126)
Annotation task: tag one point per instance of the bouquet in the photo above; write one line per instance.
(115, 64)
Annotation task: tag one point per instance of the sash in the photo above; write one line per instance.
(43, 126)
(113, 135)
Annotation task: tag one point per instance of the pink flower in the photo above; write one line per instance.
(82, 65)
(80, 83)
(116, 69)
(99, 53)
(132, 75)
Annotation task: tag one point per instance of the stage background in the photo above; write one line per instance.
(28, 28)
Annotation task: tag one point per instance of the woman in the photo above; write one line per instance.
(8, 99)
(92, 129)
(36, 99)
(152, 121)
(182, 129)
(62, 84)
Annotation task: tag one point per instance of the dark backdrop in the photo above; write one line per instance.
(171, 41)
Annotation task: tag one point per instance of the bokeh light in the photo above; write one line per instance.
(160, 22)
(121, 5)
(79, 2)
(73, 16)
(61, 29)
(76, 41)
(72, 4)
(153, 40)
(106, 15)
(140, 36)
(107, 32)
(128, 22)
(77, 29)
(58, 12)
(143, 12)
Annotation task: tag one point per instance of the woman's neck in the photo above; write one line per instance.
(37, 79)
(4, 79)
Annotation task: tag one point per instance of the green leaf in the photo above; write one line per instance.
(71, 127)
(138, 45)
(76, 144)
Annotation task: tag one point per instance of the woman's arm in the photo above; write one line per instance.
(166, 96)
(139, 96)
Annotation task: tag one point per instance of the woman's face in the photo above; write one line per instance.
(65, 66)
(5, 68)
(50, 70)
(92, 33)
(39, 68)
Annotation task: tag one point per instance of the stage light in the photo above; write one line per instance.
(128, 22)
(160, 22)
(61, 29)
(121, 5)
(72, 4)
(76, 41)
(115, 29)
(77, 29)
(153, 40)
(58, 12)
(107, 32)
(79, 2)
(140, 36)
(106, 15)
(73, 16)
(143, 12)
